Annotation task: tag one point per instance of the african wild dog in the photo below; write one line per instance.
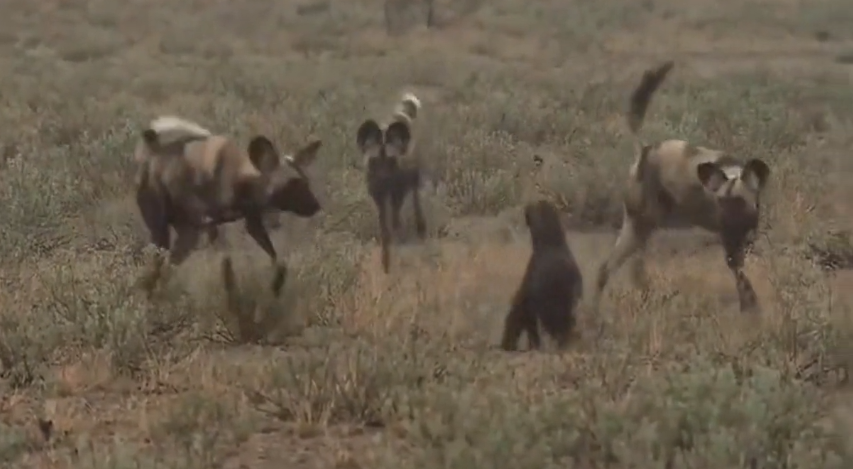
(552, 284)
(190, 179)
(393, 169)
(676, 180)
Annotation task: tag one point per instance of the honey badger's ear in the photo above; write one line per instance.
(398, 136)
(755, 174)
(369, 134)
(263, 153)
(711, 176)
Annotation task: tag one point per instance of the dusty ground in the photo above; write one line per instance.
(369, 370)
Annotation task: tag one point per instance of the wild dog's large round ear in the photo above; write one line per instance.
(398, 135)
(369, 134)
(755, 174)
(711, 176)
(306, 155)
(263, 153)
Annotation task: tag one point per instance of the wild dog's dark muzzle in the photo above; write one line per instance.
(738, 237)
(735, 207)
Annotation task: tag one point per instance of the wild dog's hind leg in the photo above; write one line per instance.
(420, 222)
(638, 262)
(632, 237)
(153, 211)
(397, 199)
(381, 202)
(154, 214)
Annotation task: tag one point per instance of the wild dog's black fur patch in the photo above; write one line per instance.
(551, 287)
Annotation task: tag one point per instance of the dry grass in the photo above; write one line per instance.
(369, 370)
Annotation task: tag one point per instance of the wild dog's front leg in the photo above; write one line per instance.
(229, 281)
(384, 233)
(747, 297)
(213, 237)
(256, 229)
(272, 220)
(186, 242)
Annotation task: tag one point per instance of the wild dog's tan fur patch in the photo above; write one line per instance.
(674, 179)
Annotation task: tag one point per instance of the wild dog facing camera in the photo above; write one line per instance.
(393, 172)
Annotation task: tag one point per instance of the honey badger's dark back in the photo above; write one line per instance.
(552, 284)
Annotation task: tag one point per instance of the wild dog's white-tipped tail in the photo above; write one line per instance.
(412, 99)
(409, 106)
(178, 125)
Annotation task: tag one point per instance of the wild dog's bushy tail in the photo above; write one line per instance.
(178, 125)
(642, 96)
(408, 108)
(165, 129)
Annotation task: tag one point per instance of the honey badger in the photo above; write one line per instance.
(551, 287)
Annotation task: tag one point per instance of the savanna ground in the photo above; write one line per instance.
(360, 369)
